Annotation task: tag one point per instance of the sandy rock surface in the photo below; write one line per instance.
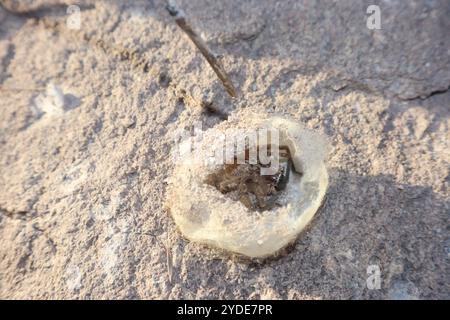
(83, 184)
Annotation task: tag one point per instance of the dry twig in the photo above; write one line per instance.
(181, 21)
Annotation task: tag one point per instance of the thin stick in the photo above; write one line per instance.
(2, 88)
(166, 247)
(201, 45)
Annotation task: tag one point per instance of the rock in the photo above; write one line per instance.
(381, 96)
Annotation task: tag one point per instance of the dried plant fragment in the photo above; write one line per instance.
(181, 21)
(244, 182)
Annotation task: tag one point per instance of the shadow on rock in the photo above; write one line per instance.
(371, 223)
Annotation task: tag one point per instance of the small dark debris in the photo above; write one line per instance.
(164, 80)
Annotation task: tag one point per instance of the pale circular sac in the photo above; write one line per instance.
(215, 214)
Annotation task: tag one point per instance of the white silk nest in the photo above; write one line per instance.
(205, 215)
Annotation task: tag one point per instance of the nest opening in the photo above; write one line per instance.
(244, 182)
